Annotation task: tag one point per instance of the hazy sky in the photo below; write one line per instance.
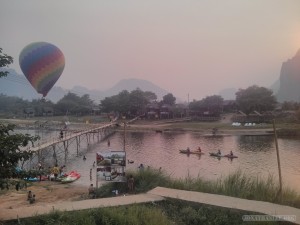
(184, 46)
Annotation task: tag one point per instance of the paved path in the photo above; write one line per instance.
(157, 194)
(228, 202)
(35, 209)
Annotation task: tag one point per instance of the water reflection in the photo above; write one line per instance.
(256, 155)
(255, 143)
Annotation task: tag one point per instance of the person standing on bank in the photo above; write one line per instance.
(131, 184)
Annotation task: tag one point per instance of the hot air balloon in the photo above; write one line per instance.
(42, 64)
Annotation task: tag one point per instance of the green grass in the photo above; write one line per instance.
(165, 212)
(237, 184)
(172, 211)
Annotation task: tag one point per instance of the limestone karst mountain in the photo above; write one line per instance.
(289, 89)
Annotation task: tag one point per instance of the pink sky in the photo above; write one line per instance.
(195, 46)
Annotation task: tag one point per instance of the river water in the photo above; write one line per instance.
(256, 155)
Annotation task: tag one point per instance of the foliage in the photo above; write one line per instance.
(5, 60)
(12, 150)
(237, 184)
(213, 104)
(169, 99)
(128, 104)
(13, 105)
(169, 211)
(290, 105)
(144, 180)
(73, 104)
(255, 98)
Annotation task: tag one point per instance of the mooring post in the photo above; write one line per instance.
(278, 161)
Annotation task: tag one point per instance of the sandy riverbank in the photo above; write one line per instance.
(46, 192)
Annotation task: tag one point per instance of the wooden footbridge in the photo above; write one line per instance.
(100, 132)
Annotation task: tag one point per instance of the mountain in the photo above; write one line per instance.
(15, 84)
(290, 80)
(132, 84)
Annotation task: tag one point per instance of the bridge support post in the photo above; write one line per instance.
(54, 155)
(77, 144)
(66, 145)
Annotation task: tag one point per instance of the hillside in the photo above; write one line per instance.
(17, 85)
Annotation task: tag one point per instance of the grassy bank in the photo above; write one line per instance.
(172, 211)
(237, 184)
(161, 213)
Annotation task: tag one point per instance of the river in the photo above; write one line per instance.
(256, 155)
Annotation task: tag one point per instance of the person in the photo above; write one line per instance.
(40, 165)
(61, 134)
(55, 171)
(219, 152)
(141, 167)
(188, 149)
(92, 191)
(231, 153)
(199, 149)
(91, 174)
(130, 184)
(94, 163)
(29, 196)
(61, 170)
(32, 200)
(17, 186)
(84, 158)
(108, 142)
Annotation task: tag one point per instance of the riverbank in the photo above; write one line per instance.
(224, 126)
(46, 192)
(188, 212)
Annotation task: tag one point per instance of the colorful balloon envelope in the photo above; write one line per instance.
(42, 64)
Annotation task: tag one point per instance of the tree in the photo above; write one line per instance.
(150, 96)
(12, 150)
(5, 60)
(255, 98)
(138, 101)
(169, 99)
(212, 104)
(130, 104)
(12, 145)
(74, 104)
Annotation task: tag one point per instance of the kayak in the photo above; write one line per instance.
(184, 151)
(230, 156)
(218, 155)
(215, 154)
(72, 176)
